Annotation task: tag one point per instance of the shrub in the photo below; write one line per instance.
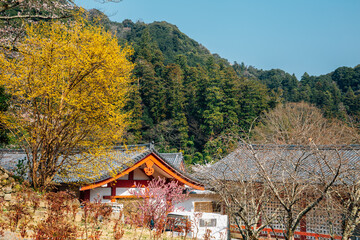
(95, 215)
(58, 224)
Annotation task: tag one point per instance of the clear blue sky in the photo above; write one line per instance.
(314, 36)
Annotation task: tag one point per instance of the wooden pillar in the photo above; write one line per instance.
(303, 227)
(113, 192)
(85, 195)
(131, 175)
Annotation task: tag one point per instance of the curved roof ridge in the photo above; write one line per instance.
(304, 147)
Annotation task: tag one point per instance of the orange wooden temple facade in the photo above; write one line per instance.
(140, 173)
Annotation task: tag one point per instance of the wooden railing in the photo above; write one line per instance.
(267, 232)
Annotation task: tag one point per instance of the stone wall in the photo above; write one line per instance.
(7, 185)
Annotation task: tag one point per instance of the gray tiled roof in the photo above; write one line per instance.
(174, 158)
(175, 162)
(10, 157)
(101, 169)
(120, 158)
(242, 162)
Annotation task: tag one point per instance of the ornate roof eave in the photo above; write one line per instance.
(154, 158)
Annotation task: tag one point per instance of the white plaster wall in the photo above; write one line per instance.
(94, 193)
(139, 175)
(217, 232)
(123, 191)
(188, 204)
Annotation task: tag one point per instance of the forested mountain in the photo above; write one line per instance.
(185, 98)
(336, 93)
(162, 35)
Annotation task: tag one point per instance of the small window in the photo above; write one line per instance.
(203, 206)
(177, 223)
(211, 222)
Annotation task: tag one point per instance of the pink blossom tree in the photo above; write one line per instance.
(158, 199)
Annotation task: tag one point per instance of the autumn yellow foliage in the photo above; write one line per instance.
(69, 87)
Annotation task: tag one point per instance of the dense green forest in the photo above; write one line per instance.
(185, 98)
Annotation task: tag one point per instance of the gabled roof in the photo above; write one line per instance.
(175, 159)
(119, 158)
(116, 162)
(156, 158)
(241, 161)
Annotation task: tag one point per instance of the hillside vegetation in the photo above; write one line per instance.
(186, 99)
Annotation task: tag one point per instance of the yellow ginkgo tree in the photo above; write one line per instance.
(69, 86)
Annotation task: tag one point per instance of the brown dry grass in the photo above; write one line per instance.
(130, 232)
